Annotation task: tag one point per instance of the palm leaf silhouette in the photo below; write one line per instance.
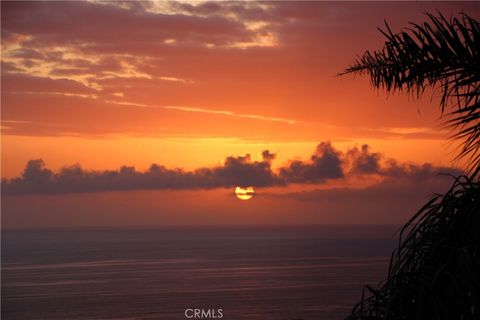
(441, 54)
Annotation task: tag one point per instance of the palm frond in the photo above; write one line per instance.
(435, 272)
(443, 54)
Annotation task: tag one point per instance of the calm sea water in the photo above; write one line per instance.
(267, 273)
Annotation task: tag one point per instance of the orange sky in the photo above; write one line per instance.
(187, 84)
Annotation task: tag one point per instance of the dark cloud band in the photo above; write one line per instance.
(325, 164)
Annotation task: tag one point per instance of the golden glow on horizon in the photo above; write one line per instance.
(244, 193)
(141, 152)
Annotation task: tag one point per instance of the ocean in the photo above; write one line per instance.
(267, 273)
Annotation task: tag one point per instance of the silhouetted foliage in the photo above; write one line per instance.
(441, 54)
(435, 272)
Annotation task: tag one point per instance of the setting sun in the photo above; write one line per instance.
(244, 193)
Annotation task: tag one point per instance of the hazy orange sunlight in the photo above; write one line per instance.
(193, 91)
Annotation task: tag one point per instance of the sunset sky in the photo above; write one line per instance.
(102, 90)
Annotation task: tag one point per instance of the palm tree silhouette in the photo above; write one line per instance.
(435, 271)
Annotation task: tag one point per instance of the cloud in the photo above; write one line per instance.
(89, 42)
(363, 161)
(231, 114)
(241, 170)
(216, 48)
(22, 83)
(140, 29)
(415, 172)
(401, 190)
(102, 25)
(326, 164)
